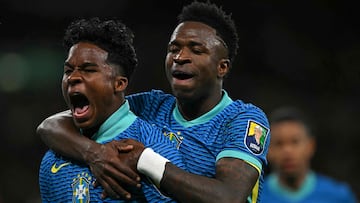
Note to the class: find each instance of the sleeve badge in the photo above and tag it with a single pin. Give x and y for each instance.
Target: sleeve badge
(255, 137)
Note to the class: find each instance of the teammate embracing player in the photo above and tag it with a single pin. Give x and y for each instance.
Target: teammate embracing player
(209, 128)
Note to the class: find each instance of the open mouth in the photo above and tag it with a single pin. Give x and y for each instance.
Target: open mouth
(80, 104)
(180, 75)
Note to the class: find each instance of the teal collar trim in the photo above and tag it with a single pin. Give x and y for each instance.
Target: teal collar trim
(225, 101)
(306, 188)
(115, 124)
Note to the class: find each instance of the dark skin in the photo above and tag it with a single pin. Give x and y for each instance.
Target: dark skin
(195, 50)
(232, 176)
(87, 73)
(104, 160)
(290, 152)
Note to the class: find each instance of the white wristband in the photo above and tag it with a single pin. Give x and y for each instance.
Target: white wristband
(152, 165)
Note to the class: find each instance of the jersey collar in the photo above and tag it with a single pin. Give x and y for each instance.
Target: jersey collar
(120, 120)
(225, 101)
(306, 187)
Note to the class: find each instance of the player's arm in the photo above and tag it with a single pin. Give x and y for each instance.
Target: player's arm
(60, 134)
(233, 181)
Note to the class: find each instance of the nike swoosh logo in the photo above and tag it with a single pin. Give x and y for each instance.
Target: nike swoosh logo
(55, 169)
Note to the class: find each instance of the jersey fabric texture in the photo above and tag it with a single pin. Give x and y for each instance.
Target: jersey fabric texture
(315, 189)
(221, 132)
(62, 180)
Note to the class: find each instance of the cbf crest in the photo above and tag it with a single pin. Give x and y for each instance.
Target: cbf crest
(175, 138)
(81, 188)
(255, 137)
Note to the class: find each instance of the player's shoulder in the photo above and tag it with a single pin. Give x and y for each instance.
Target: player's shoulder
(160, 99)
(48, 158)
(329, 181)
(246, 106)
(332, 184)
(240, 107)
(160, 94)
(153, 94)
(50, 154)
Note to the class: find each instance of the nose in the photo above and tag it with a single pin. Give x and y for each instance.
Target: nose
(287, 149)
(74, 78)
(182, 57)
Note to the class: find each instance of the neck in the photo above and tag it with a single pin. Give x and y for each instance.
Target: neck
(294, 181)
(89, 132)
(192, 109)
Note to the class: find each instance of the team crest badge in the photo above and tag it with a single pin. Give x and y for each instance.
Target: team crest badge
(81, 187)
(175, 138)
(255, 137)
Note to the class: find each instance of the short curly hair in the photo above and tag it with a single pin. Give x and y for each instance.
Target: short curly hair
(290, 113)
(213, 16)
(111, 35)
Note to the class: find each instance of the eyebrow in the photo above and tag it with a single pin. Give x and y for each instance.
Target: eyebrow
(191, 43)
(86, 64)
(195, 43)
(68, 64)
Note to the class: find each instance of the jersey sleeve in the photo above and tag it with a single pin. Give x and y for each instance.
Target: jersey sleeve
(241, 140)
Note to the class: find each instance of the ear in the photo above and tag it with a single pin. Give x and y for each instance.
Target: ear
(121, 84)
(312, 146)
(270, 155)
(223, 67)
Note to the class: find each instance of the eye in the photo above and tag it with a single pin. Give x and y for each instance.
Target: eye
(173, 49)
(277, 143)
(89, 70)
(67, 70)
(197, 50)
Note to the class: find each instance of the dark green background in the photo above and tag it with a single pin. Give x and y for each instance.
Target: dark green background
(302, 53)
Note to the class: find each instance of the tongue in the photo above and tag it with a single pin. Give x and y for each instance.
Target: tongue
(80, 111)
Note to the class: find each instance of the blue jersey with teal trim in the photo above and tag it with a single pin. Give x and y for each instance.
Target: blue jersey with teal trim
(222, 132)
(64, 181)
(315, 189)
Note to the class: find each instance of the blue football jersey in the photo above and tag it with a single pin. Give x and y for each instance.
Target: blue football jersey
(221, 132)
(62, 180)
(315, 189)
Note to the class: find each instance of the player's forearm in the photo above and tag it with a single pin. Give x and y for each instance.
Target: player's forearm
(231, 187)
(59, 133)
(187, 187)
(233, 181)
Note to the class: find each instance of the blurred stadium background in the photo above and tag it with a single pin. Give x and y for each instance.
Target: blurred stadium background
(301, 53)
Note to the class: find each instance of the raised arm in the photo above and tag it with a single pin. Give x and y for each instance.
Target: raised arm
(60, 134)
